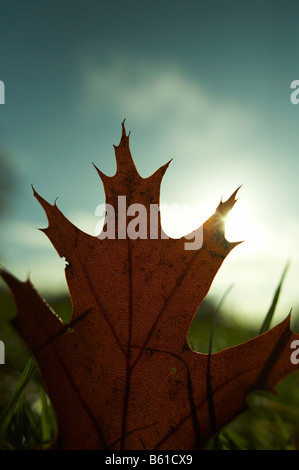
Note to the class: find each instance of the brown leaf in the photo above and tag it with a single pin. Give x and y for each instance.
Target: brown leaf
(121, 374)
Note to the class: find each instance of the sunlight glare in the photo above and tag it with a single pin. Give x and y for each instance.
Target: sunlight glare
(241, 225)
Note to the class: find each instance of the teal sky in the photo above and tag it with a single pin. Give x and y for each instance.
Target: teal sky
(206, 83)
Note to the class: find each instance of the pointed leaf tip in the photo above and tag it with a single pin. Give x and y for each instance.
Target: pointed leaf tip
(124, 135)
(164, 167)
(157, 176)
(124, 140)
(33, 189)
(41, 200)
(37, 196)
(234, 244)
(226, 206)
(232, 199)
(100, 173)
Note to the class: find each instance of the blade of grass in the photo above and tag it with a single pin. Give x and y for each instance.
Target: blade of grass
(285, 433)
(215, 438)
(267, 321)
(9, 410)
(215, 317)
(233, 440)
(45, 422)
(20, 419)
(32, 430)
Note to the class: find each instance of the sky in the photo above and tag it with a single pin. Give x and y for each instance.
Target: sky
(206, 83)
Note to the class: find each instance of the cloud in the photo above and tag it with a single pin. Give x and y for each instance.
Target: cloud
(24, 233)
(162, 93)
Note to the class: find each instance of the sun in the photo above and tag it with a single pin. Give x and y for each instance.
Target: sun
(241, 224)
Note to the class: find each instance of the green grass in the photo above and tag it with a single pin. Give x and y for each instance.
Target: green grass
(27, 419)
(271, 421)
